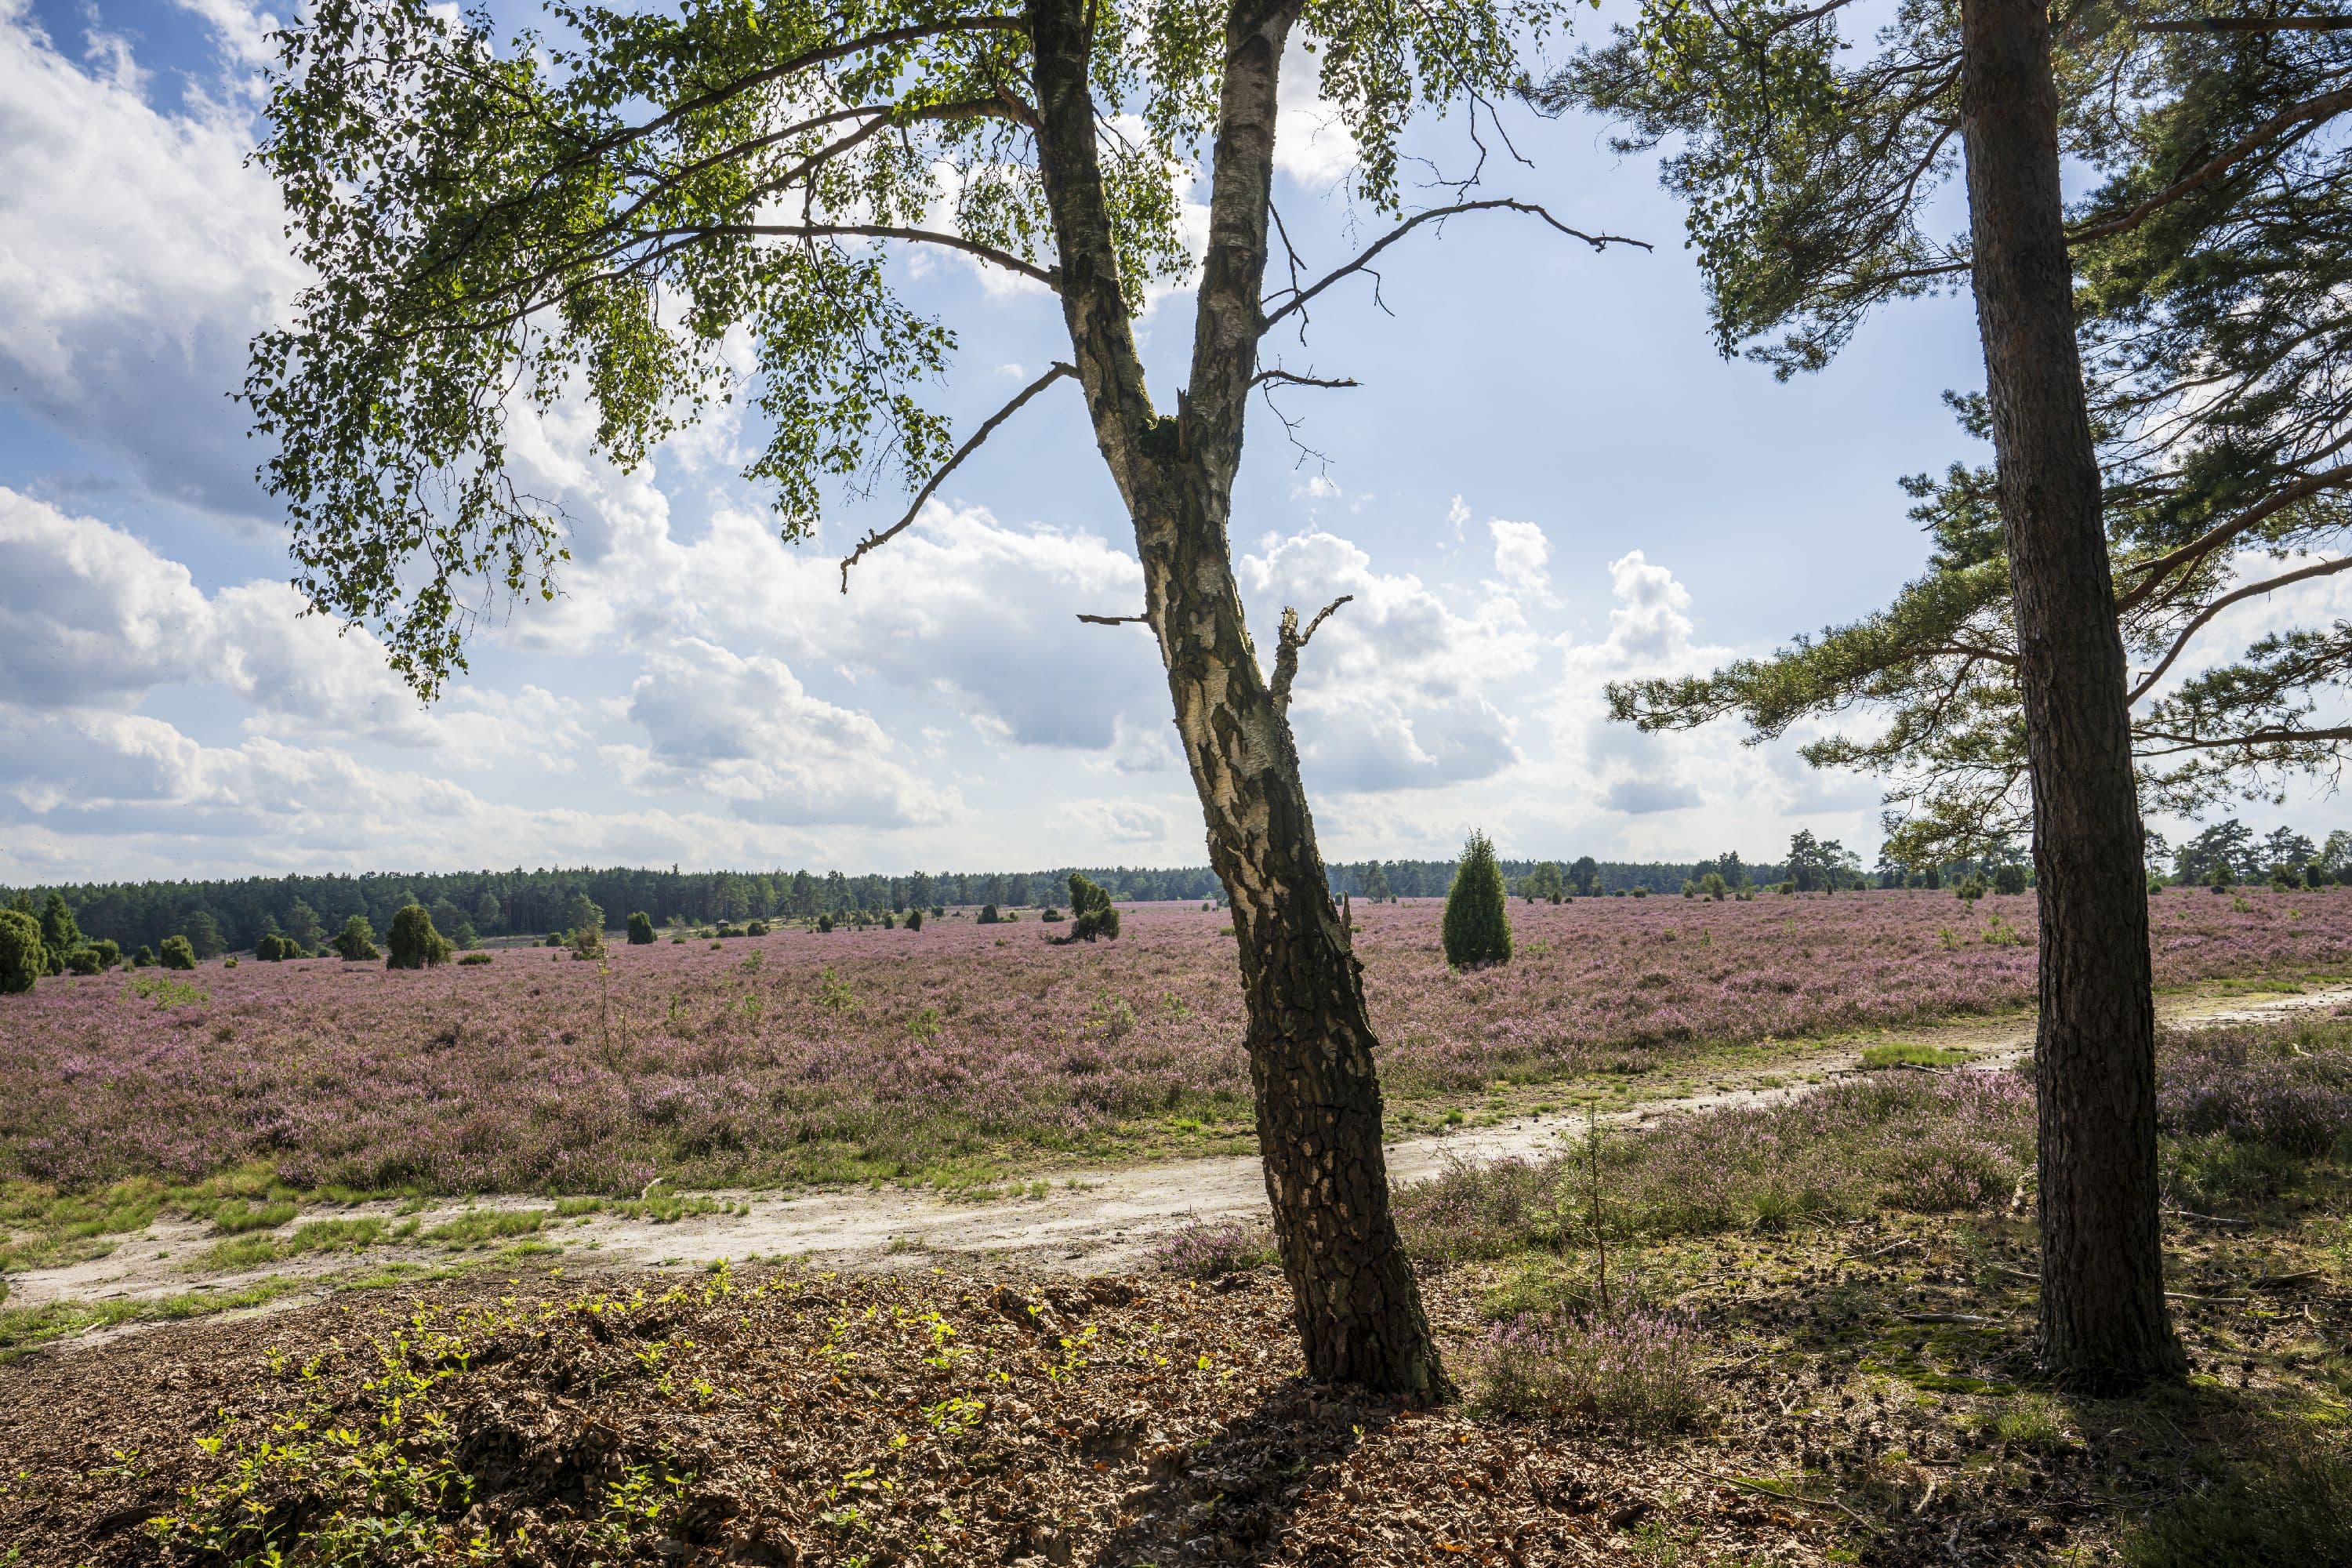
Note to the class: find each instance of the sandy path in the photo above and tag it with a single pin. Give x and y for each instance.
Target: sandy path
(1089, 1221)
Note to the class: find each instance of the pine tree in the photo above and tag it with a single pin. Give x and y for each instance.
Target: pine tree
(415, 943)
(59, 934)
(304, 927)
(1477, 927)
(24, 957)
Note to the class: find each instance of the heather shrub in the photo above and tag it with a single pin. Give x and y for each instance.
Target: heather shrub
(2282, 1511)
(414, 944)
(641, 929)
(1205, 1251)
(356, 942)
(1637, 1368)
(178, 952)
(1092, 914)
(24, 957)
(1476, 929)
(1887, 1141)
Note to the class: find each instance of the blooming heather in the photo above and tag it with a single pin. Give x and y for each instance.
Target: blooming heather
(959, 1042)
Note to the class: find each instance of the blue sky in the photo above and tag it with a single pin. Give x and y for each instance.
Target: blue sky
(1549, 479)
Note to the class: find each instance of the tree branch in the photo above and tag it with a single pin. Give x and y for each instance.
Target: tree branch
(1115, 620)
(2277, 735)
(1290, 640)
(1292, 378)
(2309, 111)
(1050, 278)
(988, 428)
(2316, 569)
(2212, 539)
(1298, 296)
(2250, 24)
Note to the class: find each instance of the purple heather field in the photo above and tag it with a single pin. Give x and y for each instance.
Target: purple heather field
(863, 1053)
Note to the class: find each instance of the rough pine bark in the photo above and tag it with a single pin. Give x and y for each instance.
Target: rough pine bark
(1359, 1310)
(2104, 1323)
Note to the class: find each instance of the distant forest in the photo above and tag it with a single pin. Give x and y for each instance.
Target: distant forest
(231, 916)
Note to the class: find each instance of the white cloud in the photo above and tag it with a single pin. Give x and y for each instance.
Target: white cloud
(1113, 822)
(138, 254)
(745, 732)
(1522, 554)
(1310, 143)
(1396, 689)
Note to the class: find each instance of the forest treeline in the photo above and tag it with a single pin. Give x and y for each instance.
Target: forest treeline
(233, 915)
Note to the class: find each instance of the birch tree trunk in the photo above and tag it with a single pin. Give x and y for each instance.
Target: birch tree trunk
(1359, 1310)
(2104, 1323)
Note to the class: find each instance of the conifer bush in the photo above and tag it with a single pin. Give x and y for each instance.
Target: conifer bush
(24, 956)
(178, 952)
(641, 929)
(1477, 926)
(1091, 911)
(144, 958)
(825, 922)
(108, 952)
(356, 941)
(59, 935)
(988, 915)
(414, 942)
(914, 920)
(2008, 879)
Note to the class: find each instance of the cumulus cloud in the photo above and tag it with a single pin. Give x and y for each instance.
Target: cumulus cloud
(744, 731)
(1310, 143)
(138, 254)
(1522, 553)
(1395, 692)
(1113, 822)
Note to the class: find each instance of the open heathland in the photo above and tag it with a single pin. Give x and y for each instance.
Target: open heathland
(965, 1048)
(1811, 1342)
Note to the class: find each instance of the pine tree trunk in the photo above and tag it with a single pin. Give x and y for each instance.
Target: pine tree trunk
(2104, 1323)
(1359, 1310)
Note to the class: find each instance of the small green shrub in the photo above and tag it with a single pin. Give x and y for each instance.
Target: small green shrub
(825, 922)
(24, 957)
(2008, 879)
(1092, 914)
(641, 929)
(988, 915)
(1476, 927)
(356, 941)
(914, 920)
(414, 944)
(474, 958)
(144, 958)
(178, 952)
(2292, 1511)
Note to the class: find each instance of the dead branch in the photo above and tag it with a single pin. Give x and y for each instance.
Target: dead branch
(1115, 620)
(1298, 296)
(1290, 640)
(1292, 378)
(987, 428)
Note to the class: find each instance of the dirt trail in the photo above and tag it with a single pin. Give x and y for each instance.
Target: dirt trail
(1089, 1221)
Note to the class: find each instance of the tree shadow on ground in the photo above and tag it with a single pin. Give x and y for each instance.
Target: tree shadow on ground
(1228, 1499)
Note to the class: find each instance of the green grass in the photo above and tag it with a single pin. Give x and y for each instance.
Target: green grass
(2284, 1510)
(256, 1251)
(479, 1227)
(23, 1329)
(1908, 1054)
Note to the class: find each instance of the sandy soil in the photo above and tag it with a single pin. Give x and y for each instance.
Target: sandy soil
(1091, 1222)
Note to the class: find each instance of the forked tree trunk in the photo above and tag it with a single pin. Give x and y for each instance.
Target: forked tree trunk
(1359, 1310)
(2104, 1323)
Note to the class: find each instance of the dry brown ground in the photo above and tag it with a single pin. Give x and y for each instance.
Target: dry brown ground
(1877, 1375)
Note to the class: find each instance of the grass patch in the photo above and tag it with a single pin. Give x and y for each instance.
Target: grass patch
(1909, 1054)
(479, 1227)
(2282, 1512)
(24, 1329)
(258, 1251)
